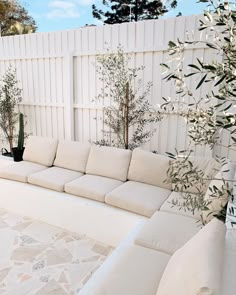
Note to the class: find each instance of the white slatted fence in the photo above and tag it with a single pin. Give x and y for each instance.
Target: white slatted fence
(59, 81)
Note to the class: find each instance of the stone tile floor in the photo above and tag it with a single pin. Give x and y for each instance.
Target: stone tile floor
(40, 259)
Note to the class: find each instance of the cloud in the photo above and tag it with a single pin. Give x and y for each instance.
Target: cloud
(62, 9)
(57, 13)
(84, 2)
(61, 4)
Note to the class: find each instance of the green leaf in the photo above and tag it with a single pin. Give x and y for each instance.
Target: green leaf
(230, 80)
(202, 28)
(210, 45)
(201, 81)
(189, 75)
(194, 66)
(171, 44)
(164, 65)
(227, 39)
(209, 67)
(219, 104)
(201, 64)
(219, 97)
(228, 126)
(220, 80)
(208, 16)
(171, 155)
(215, 188)
(228, 107)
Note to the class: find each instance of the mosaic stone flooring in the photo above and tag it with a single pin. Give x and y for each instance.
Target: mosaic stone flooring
(40, 259)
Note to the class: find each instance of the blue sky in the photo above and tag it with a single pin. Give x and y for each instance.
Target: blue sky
(54, 15)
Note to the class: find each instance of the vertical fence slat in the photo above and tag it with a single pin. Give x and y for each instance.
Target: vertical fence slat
(68, 113)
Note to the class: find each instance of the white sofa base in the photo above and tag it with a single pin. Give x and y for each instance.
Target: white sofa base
(99, 221)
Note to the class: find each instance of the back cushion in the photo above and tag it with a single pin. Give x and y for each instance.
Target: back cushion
(72, 155)
(149, 168)
(109, 162)
(196, 268)
(41, 150)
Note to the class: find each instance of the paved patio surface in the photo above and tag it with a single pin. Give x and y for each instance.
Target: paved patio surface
(40, 259)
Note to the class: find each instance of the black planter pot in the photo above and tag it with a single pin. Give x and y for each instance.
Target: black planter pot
(17, 154)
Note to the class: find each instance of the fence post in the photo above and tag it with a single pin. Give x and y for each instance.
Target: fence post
(69, 97)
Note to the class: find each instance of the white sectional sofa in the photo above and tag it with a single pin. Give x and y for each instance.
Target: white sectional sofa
(169, 252)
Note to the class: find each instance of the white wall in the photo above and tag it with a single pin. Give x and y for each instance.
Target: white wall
(57, 73)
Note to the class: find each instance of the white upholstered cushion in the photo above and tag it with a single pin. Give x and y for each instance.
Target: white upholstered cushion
(138, 197)
(167, 232)
(20, 171)
(135, 271)
(149, 168)
(109, 162)
(221, 179)
(72, 155)
(92, 187)
(41, 150)
(54, 178)
(169, 207)
(197, 265)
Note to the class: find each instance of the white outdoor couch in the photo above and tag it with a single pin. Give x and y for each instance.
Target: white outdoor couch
(169, 254)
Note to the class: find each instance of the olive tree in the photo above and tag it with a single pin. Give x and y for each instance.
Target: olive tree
(213, 112)
(10, 96)
(129, 115)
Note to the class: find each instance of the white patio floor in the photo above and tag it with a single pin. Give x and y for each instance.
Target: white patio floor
(39, 259)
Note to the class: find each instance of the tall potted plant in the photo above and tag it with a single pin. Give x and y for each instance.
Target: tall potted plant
(129, 114)
(10, 96)
(19, 150)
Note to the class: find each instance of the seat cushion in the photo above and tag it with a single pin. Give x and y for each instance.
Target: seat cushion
(92, 187)
(168, 206)
(20, 171)
(135, 271)
(72, 155)
(167, 232)
(217, 192)
(41, 150)
(138, 197)
(149, 168)
(109, 162)
(54, 178)
(198, 265)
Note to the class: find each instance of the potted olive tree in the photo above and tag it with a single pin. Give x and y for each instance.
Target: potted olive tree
(130, 113)
(10, 96)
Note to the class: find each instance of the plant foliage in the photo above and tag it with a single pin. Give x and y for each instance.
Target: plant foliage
(207, 113)
(14, 19)
(129, 107)
(10, 96)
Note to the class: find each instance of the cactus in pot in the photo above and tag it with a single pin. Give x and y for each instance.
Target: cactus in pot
(21, 134)
(19, 150)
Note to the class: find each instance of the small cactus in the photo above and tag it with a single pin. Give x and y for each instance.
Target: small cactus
(21, 134)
